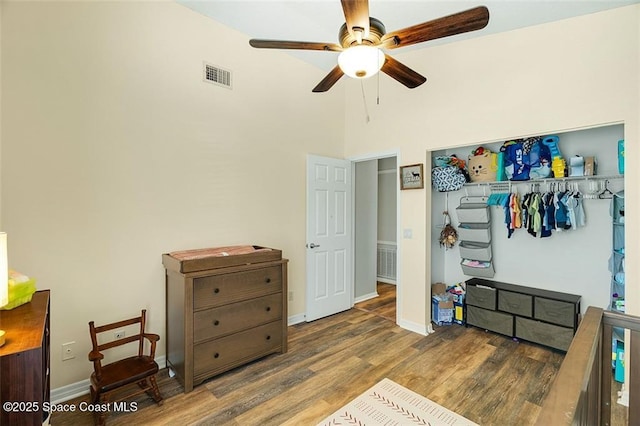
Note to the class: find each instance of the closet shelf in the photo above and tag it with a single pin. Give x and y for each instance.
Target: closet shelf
(562, 179)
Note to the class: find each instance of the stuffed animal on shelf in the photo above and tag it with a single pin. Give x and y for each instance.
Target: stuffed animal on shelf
(482, 165)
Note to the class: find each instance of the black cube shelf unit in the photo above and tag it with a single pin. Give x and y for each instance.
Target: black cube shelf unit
(546, 317)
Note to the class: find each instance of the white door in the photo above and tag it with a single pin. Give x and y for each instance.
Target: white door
(329, 286)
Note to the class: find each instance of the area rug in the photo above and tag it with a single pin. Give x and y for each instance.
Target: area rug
(389, 404)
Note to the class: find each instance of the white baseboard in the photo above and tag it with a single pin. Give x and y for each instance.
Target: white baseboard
(296, 319)
(386, 280)
(65, 393)
(366, 297)
(415, 327)
(623, 397)
(75, 390)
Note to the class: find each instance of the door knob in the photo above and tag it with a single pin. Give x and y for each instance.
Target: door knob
(312, 245)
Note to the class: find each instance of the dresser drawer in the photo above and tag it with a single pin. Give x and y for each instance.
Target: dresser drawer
(490, 320)
(555, 311)
(516, 303)
(217, 290)
(482, 297)
(214, 356)
(227, 319)
(543, 333)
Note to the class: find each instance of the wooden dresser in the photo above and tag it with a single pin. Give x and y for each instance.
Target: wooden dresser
(24, 362)
(224, 312)
(546, 317)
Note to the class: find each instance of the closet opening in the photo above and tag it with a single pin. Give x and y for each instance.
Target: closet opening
(580, 258)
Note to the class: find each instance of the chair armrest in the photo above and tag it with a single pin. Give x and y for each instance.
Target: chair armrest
(153, 338)
(95, 356)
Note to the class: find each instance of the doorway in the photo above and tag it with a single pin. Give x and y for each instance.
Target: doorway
(333, 286)
(376, 235)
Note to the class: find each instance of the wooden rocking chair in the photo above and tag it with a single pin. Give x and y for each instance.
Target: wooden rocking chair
(140, 369)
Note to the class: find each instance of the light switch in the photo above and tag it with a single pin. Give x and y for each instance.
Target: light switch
(407, 234)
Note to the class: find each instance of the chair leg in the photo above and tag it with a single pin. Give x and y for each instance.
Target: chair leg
(100, 417)
(156, 392)
(94, 395)
(152, 390)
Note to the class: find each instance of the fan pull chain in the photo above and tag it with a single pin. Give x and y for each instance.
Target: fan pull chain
(378, 83)
(364, 101)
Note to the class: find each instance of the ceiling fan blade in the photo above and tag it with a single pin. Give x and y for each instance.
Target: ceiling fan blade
(331, 79)
(458, 23)
(301, 45)
(356, 15)
(402, 73)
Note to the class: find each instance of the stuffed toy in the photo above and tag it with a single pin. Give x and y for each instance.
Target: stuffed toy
(482, 165)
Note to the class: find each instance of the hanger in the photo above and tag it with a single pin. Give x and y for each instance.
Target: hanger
(605, 193)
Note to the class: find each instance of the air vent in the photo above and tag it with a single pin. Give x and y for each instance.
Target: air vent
(216, 75)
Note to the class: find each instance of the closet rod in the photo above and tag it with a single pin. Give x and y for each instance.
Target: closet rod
(562, 179)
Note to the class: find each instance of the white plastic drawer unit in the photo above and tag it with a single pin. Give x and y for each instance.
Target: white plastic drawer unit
(473, 213)
(477, 232)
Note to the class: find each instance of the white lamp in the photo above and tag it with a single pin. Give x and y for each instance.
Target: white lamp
(361, 61)
(4, 277)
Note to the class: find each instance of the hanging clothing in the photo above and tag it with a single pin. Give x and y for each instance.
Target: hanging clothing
(573, 201)
(561, 212)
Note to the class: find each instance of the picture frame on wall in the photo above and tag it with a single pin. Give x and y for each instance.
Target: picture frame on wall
(411, 176)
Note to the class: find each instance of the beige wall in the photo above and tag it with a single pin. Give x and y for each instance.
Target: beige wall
(564, 75)
(114, 151)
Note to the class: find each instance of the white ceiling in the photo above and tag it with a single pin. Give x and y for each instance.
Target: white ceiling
(320, 20)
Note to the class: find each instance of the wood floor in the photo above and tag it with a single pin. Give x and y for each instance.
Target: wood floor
(384, 305)
(485, 377)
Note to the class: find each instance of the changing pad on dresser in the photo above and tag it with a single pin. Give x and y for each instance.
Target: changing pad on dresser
(218, 257)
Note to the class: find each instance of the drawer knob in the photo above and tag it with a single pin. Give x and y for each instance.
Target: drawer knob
(216, 322)
(217, 290)
(268, 280)
(268, 308)
(216, 355)
(268, 337)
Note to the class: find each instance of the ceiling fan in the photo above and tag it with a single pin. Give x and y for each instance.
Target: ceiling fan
(362, 39)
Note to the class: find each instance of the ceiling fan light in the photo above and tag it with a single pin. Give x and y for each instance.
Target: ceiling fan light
(361, 61)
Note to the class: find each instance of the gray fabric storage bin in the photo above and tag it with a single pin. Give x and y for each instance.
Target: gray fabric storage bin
(516, 303)
(473, 213)
(482, 297)
(543, 333)
(490, 320)
(555, 311)
(475, 251)
(487, 272)
(477, 232)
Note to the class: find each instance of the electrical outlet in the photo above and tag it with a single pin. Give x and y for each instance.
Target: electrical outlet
(290, 296)
(118, 334)
(68, 351)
